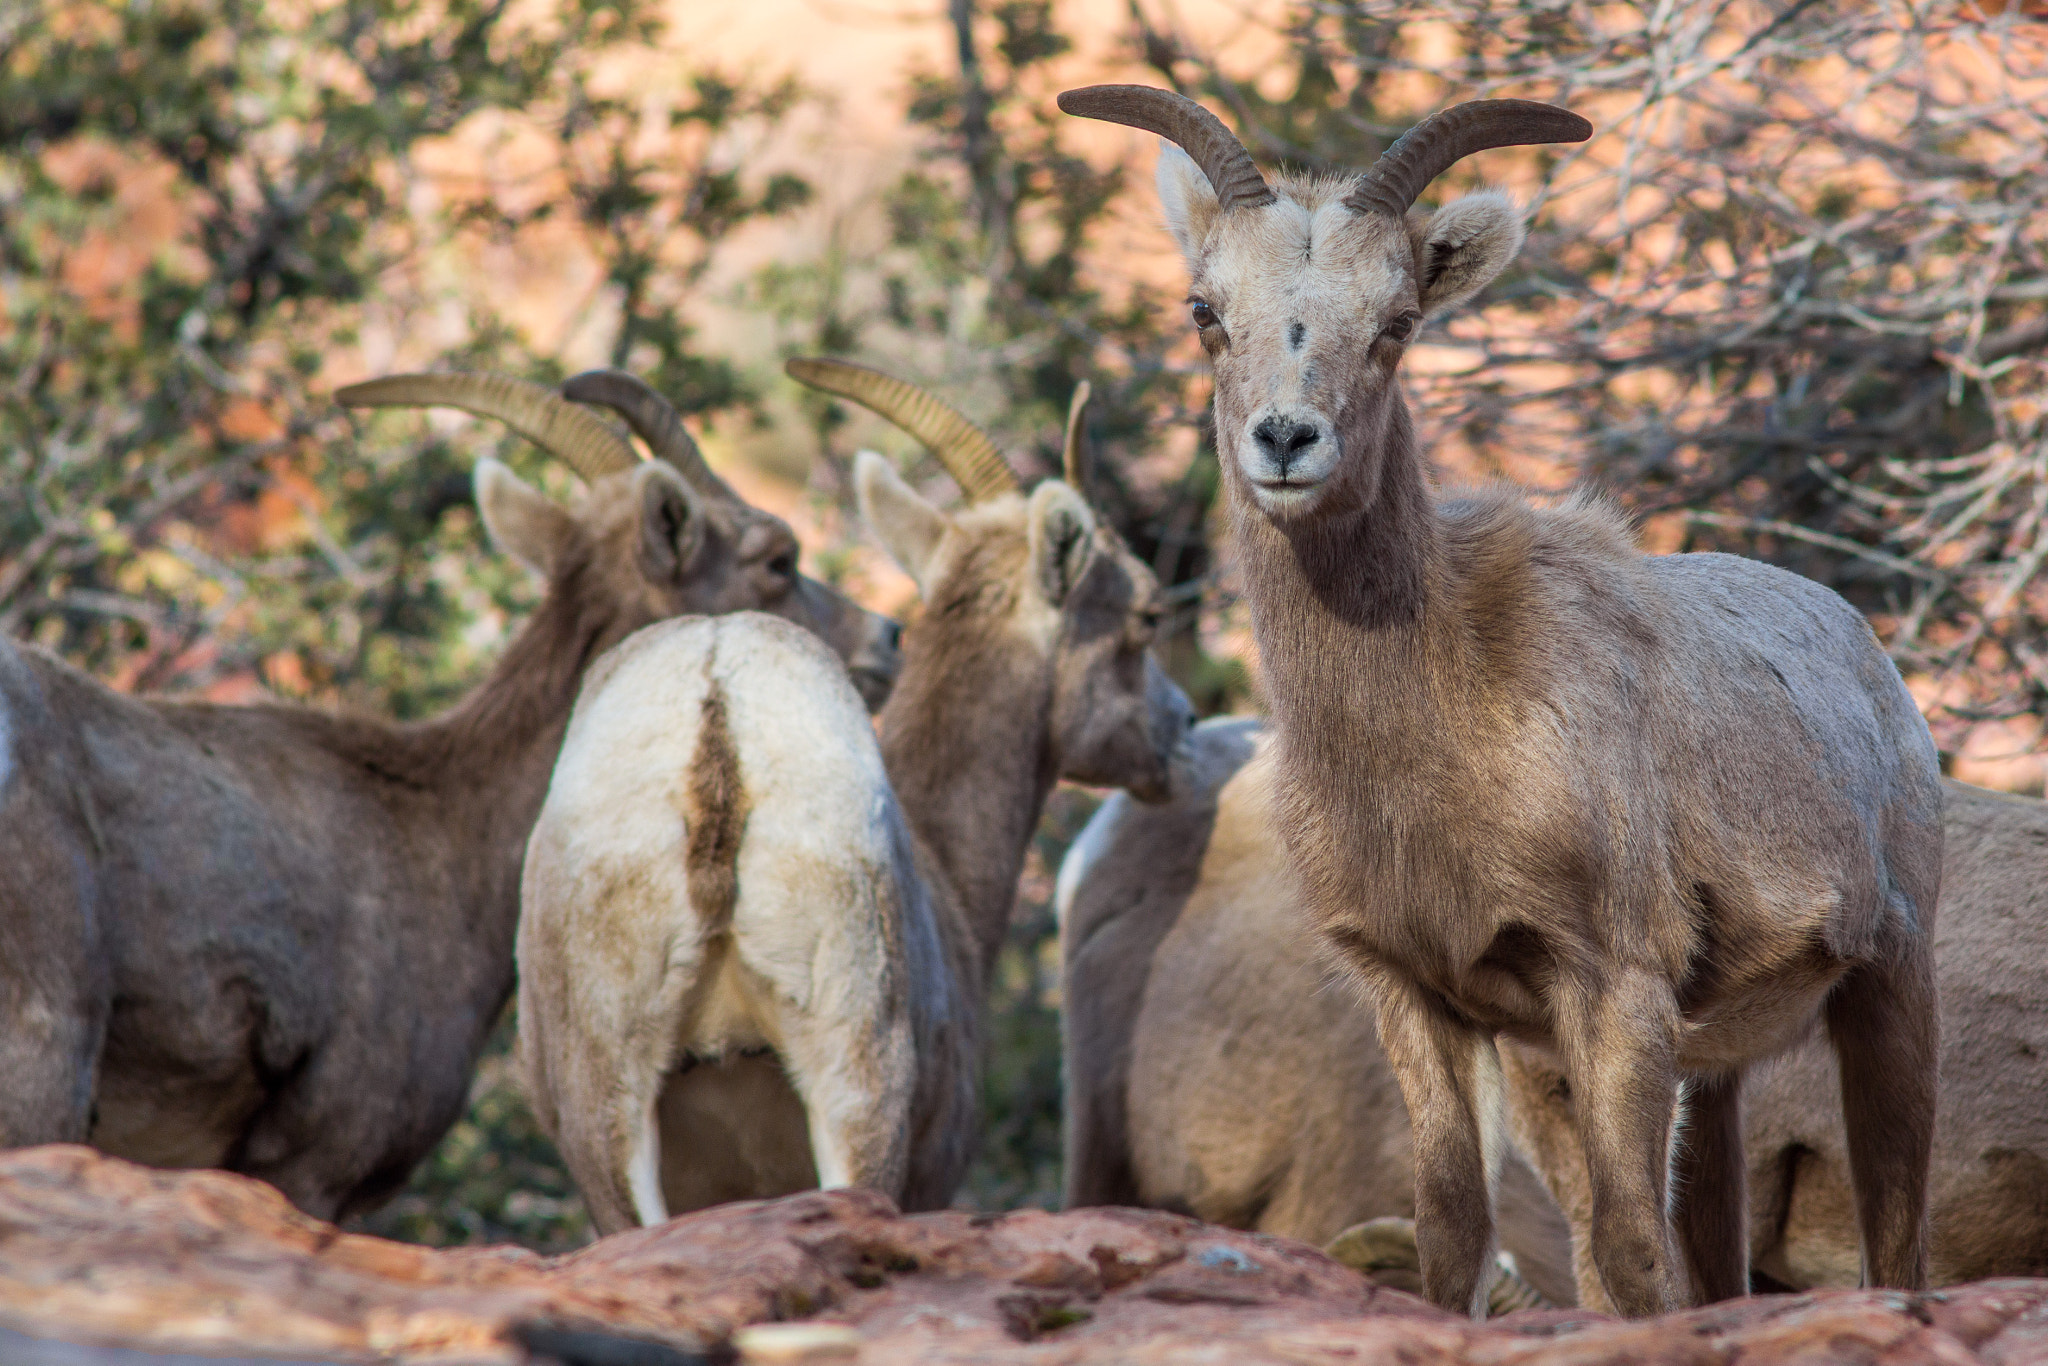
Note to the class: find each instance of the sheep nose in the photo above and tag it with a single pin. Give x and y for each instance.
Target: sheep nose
(1282, 439)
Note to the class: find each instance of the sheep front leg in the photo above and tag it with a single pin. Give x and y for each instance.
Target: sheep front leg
(1450, 1079)
(1618, 1037)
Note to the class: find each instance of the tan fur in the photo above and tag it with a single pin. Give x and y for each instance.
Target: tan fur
(273, 938)
(1653, 816)
(1029, 662)
(1254, 1094)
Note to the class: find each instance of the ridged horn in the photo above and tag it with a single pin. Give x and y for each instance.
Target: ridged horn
(1232, 172)
(653, 419)
(575, 436)
(1071, 454)
(963, 448)
(1443, 139)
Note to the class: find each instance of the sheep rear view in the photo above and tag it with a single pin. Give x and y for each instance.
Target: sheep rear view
(737, 879)
(718, 785)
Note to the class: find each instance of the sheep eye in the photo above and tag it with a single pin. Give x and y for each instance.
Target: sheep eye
(1401, 327)
(783, 566)
(1205, 316)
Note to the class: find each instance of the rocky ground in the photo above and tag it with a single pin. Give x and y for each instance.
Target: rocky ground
(107, 1264)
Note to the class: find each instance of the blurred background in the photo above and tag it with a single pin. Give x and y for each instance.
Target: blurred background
(1791, 301)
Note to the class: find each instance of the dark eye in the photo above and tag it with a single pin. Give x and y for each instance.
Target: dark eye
(783, 566)
(1205, 316)
(1401, 327)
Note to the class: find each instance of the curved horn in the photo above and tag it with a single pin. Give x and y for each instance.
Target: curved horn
(1178, 119)
(1071, 455)
(1434, 145)
(576, 436)
(963, 448)
(653, 419)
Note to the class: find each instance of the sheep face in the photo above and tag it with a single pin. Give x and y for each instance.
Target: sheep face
(1306, 306)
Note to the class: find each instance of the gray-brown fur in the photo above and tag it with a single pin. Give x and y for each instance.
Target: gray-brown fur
(1989, 1174)
(273, 938)
(1264, 1100)
(1652, 815)
(716, 813)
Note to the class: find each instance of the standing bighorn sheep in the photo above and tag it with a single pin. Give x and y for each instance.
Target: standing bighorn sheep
(1212, 1067)
(1654, 815)
(274, 939)
(756, 937)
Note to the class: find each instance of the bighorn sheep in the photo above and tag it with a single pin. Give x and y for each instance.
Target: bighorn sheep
(274, 939)
(756, 937)
(1210, 1068)
(1652, 814)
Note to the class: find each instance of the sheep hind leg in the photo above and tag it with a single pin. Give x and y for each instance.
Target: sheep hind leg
(1883, 1023)
(855, 1082)
(1710, 1189)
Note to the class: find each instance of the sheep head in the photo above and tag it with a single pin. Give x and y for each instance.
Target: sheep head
(1035, 578)
(1306, 291)
(654, 538)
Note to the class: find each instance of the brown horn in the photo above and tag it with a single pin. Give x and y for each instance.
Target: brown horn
(1437, 143)
(1178, 119)
(653, 419)
(963, 448)
(1071, 455)
(576, 436)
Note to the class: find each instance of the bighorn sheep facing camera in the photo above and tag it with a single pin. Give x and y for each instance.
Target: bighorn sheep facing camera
(274, 939)
(756, 938)
(1653, 815)
(1214, 1066)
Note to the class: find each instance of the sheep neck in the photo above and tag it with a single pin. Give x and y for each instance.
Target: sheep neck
(468, 784)
(1356, 609)
(971, 793)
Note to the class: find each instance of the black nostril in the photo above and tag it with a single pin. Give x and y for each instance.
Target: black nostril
(892, 634)
(1282, 439)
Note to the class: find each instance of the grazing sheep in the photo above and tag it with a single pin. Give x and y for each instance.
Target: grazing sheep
(1653, 815)
(272, 938)
(756, 936)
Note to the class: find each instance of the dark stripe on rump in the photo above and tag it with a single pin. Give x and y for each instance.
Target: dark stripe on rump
(717, 815)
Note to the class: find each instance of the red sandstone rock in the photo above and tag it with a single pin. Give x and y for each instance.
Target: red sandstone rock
(97, 1250)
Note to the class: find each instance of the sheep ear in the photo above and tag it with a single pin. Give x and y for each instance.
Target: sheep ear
(1189, 200)
(1062, 540)
(522, 521)
(1462, 246)
(671, 522)
(908, 527)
